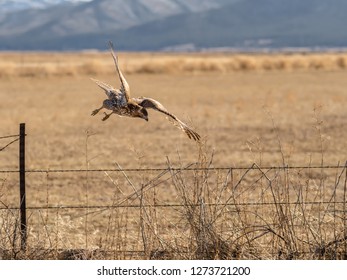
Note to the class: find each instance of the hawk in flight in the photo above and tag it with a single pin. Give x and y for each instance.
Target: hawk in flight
(121, 103)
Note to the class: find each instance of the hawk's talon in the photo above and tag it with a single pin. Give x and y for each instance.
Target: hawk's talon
(106, 116)
(95, 112)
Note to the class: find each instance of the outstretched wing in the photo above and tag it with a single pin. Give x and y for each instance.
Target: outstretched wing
(125, 89)
(109, 90)
(150, 103)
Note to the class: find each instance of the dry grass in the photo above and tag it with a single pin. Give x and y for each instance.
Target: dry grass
(73, 64)
(269, 110)
(189, 214)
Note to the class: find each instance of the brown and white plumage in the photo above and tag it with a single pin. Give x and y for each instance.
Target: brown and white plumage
(121, 103)
(149, 103)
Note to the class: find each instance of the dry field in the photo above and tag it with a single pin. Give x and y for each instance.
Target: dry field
(268, 110)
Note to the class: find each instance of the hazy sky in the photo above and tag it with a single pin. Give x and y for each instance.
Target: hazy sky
(12, 5)
(40, 1)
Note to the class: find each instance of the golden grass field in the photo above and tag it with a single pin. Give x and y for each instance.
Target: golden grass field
(272, 110)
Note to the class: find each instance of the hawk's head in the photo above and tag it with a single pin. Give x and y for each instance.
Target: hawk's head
(142, 113)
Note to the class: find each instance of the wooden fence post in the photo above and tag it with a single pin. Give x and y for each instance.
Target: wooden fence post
(23, 220)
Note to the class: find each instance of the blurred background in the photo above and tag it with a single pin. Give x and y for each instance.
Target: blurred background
(173, 25)
(240, 72)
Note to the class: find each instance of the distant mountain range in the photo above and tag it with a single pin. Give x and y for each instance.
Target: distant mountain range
(176, 25)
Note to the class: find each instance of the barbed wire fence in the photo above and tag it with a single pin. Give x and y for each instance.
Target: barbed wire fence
(238, 201)
(22, 199)
(11, 142)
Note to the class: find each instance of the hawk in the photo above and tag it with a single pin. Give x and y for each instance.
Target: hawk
(121, 103)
